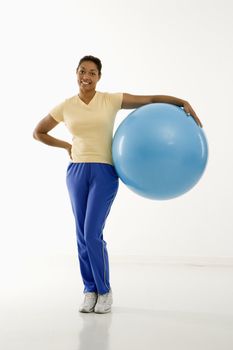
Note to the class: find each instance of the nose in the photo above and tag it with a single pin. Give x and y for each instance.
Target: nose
(86, 76)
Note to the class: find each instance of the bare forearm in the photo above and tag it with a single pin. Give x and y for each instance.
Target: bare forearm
(51, 141)
(135, 101)
(168, 99)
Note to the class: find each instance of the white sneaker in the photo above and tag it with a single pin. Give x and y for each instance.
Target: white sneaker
(104, 303)
(89, 302)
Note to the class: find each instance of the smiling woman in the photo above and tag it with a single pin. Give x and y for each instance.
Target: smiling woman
(91, 177)
(88, 74)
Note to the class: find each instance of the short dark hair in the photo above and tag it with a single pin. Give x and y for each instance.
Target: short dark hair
(92, 59)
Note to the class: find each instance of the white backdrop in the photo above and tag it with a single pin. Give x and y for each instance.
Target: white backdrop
(182, 48)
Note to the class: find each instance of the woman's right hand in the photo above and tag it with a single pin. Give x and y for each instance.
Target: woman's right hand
(68, 148)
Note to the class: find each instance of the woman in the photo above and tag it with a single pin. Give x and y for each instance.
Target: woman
(91, 178)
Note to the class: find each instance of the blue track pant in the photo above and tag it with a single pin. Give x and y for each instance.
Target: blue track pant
(92, 188)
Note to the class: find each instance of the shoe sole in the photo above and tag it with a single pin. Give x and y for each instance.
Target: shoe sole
(86, 312)
(102, 312)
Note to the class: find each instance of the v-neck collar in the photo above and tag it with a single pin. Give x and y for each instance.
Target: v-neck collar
(88, 104)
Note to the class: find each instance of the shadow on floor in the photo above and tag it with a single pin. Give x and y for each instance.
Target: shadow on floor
(129, 328)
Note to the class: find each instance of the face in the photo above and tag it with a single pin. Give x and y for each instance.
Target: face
(87, 76)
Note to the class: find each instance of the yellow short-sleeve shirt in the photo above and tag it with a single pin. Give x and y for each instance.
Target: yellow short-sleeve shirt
(90, 124)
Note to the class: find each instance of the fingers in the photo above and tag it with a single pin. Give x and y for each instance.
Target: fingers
(197, 120)
(190, 112)
(195, 117)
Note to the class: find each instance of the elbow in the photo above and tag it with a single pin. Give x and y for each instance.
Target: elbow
(36, 135)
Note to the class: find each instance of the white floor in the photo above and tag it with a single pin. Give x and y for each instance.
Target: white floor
(156, 306)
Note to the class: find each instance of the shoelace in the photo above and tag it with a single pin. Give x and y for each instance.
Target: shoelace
(90, 296)
(102, 299)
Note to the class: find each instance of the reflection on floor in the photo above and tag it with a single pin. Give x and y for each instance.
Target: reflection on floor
(155, 307)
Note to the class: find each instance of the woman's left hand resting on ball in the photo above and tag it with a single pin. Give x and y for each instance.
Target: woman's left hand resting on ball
(190, 112)
(135, 101)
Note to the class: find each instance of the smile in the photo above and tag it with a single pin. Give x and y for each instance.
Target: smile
(85, 82)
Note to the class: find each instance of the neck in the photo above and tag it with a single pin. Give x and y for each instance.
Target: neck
(86, 95)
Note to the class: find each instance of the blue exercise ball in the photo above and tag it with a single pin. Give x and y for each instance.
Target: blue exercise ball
(159, 152)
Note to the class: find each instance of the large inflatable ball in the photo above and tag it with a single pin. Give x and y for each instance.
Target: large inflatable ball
(159, 152)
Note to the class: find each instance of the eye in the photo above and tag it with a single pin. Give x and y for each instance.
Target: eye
(92, 73)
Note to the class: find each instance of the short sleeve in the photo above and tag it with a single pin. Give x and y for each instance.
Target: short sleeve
(116, 100)
(57, 112)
